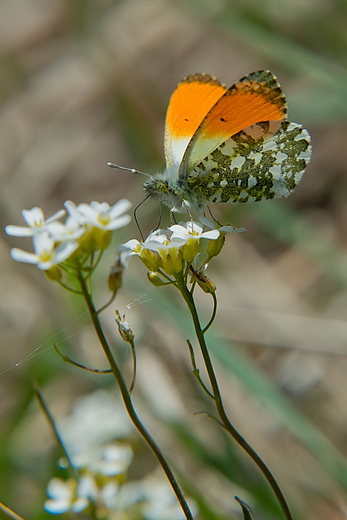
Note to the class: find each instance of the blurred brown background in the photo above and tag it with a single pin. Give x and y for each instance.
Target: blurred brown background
(85, 82)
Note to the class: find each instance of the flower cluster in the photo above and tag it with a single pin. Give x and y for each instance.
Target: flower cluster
(101, 474)
(187, 245)
(88, 228)
(98, 436)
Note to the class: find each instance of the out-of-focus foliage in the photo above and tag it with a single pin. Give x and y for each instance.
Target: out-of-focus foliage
(88, 81)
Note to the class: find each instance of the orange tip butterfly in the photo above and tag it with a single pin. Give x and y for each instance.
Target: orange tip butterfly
(228, 145)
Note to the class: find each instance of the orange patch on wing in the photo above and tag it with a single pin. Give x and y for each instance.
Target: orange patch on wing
(254, 99)
(189, 104)
(236, 112)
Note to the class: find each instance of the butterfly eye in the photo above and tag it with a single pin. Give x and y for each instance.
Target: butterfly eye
(162, 186)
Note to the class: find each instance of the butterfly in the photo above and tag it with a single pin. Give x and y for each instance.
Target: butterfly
(228, 145)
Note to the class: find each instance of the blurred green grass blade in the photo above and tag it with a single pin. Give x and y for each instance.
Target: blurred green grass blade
(251, 377)
(258, 385)
(322, 98)
(290, 228)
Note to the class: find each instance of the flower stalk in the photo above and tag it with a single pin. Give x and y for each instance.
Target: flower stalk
(217, 398)
(127, 397)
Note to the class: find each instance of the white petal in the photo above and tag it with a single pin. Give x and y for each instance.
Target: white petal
(79, 505)
(56, 216)
(119, 222)
(58, 489)
(24, 256)
(120, 207)
(212, 235)
(177, 229)
(87, 488)
(207, 222)
(33, 217)
(131, 244)
(57, 507)
(19, 231)
(43, 242)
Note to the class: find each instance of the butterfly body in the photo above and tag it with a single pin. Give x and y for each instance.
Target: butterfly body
(229, 145)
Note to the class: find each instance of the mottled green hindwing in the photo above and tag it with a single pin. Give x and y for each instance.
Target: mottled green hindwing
(264, 161)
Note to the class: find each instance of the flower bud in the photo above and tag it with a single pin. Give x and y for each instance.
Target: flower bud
(191, 249)
(155, 279)
(124, 329)
(215, 246)
(203, 282)
(150, 259)
(171, 261)
(54, 273)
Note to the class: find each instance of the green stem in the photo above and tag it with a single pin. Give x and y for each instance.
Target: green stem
(220, 407)
(8, 513)
(205, 329)
(127, 399)
(51, 421)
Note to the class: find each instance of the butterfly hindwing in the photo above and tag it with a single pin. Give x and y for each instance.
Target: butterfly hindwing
(189, 104)
(263, 161)
(255, 98)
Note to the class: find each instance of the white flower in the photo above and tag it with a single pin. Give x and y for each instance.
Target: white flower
(100, 214)
(36, 222)
(154, 239)
(161, 503)
(96, 419)
(71, 230)
(47, 254)
(152, 499)
(192, 230)
(67, 495)
(110, 461)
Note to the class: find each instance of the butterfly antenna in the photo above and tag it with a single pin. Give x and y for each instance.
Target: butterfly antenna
(132, 170)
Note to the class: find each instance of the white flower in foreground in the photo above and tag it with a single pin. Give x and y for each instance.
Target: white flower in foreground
(192, 230)
(47, 254)
(148, 249)
(36, 222)
(100, 214)
(67, 495)
(70, 230)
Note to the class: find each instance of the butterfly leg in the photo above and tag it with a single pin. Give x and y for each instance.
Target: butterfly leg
(172, 217)
(136, 219)
(212, 216)
(160, 218)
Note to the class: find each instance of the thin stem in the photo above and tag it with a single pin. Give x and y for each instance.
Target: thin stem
(51, 421)
(205, 329)
(128, 402)
(220, 407)
(108, 303)
(196, 371)
(67, 359)
(133, 379)
(8, 513)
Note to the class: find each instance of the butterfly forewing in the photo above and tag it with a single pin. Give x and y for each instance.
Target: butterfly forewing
(263, 161)
(189, 104)
(255, 98)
